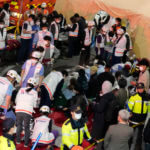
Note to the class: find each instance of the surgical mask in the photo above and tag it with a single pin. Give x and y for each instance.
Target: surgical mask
(44, 30)
(119, 31)
(1, 26)
(141, 68)
(38, 23)
(34, 61)
(78, 116)
(44, 21)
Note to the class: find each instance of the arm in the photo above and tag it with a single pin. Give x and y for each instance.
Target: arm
(8, 100)
(22, 74)
(35, 40)
(130, 104)
(25, 26)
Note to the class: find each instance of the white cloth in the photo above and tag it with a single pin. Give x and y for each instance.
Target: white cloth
(56, 30)
(3, 39)
(88, 37)
(6, 18)
(29, 28)
(41, 125)
(26, 101)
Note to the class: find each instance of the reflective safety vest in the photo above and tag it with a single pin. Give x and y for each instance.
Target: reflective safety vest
(4, 84)
(101, 44)
(26, 35)
(56, 30)
(6, 18)
(72, 137)
(88, 37)
(3, 39)
(75, 32)
(36, 72)
(120, 46)
(26, 101)
(6, 144)
(42, 125)
(135, 105)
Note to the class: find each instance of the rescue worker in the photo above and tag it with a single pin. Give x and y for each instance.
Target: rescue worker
(54, 29)
(7, 138)
(51, 85)
(29, 12)
(43, 124)
(32, 68)
(73, 38)
(85, 51)
(74, 130)
(44, 11)
(137, 105)
(6, 86)
(39, 37)
(3, 36)
(120, 46)
(100, 43)
(26, 37)
(26, 100)
(5, 14)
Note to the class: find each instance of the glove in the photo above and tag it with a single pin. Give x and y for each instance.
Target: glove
(5, 111)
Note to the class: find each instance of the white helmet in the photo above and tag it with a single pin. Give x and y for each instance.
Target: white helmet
(43, 5)
(32, 81)
(12, 74)
(45, 109)
(36, 54)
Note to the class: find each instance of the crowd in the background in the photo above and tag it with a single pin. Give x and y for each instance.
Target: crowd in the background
(111, 89)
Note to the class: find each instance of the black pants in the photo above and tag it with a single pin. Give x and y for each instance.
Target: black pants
(73, 46)
(85, 56)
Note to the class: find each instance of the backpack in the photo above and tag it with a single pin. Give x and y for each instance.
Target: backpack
(112, 110)
(146, 133)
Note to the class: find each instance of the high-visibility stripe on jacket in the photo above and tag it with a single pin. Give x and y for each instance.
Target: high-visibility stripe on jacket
(26, 101)
(135, 105)
(56, 30)
(71, 137)
(3, 39)
(6, 18)
(26, 35)
(6, 144)
(75, 32)
(88, 37)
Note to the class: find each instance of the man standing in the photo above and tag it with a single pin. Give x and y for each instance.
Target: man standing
(118, 136)
(74, 130)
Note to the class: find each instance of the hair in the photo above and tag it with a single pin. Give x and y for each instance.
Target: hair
(39, 49)
(122, 83)
(44, 113)
(124, 115)
(118, 74)
(124, 28)
(119, 20)
(44, 25)
(144, 62)
(32, 16)
(64, 73)
(31, 7)
(31, 86)
(47, 38)
(73, 81)
(6, 6)
(76, 15)
(81, 72)
(73, 19)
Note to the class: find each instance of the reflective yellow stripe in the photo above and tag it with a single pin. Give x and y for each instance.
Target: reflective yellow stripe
(13, 3)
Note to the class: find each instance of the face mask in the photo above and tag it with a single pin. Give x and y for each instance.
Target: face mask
(1, 26)
(44, 30)
(78, 116)
(141, 68)
(38, 23)
(34, 61)
(119, 31)
(44, 21)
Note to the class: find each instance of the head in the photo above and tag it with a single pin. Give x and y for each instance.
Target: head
(31, 18)
(47, 39)
(106, 87)
(91, 24)
(45, 110)
(57, 18)
(44, 27)
(76, 112)
(140, 88)
(9, 126)
(118, 75)
(73, 20)
(37, 22)
(36, 55)
(11, 75)
(118, 21)
(123, 116)
(2, 24)
(81, 72)
(77, 17)
(43, 5)
(122, 83)
(103, 30)
(44, 20)
(6, 6)
(39, 49)
(31, 7)
(143, 65)
(120, 31)
(107, 68)
(64, 73)
(93, 70)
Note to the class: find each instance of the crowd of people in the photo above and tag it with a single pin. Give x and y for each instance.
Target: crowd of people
(112, 89)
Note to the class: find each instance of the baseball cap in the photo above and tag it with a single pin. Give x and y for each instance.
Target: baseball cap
(8, 124)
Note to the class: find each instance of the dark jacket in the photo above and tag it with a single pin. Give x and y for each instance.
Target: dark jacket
(100, 125)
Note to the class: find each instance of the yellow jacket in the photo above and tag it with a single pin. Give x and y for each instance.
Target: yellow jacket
(73, 136)
(6, 144)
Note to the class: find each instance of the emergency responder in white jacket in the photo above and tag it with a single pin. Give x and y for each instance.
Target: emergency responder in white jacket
(32, 68)
(26, 100)
(6, 86)
(43, 124)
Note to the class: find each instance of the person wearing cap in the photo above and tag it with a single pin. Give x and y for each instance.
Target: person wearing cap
(26, 36)
(100, 43)
(54, 29)
(44, 11)
(32, 68)
(120, 46)
(86, 43)
(118, 136)
(39, 36)
(43, 124)
(137, 105)
(6, 86)
(26, 100)
(7, 138)
(74, 130)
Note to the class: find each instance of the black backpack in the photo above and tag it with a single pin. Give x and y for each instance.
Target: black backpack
(112, 110)
(146, 133)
